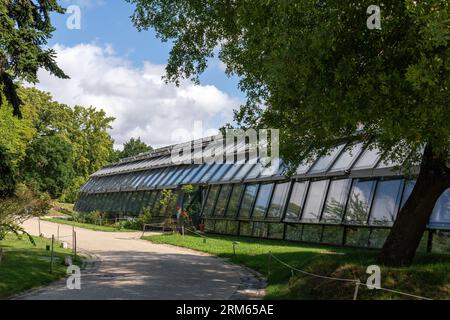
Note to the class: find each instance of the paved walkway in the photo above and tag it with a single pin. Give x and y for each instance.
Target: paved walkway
(126, 267)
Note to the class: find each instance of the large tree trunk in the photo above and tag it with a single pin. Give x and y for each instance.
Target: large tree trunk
(406, 234)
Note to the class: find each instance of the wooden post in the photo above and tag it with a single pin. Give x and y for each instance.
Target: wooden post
(57, 235)
(51, 255)
(268, 264)
(75, 245)
(39, 225)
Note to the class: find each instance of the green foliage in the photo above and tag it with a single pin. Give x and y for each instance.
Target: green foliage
(25, 28)
(23, 205)
(145, 217)
(321, 72)
(49, 164)
(133, 147)
(55, 147)
(7, 179)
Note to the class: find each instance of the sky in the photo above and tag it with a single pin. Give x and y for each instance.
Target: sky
(114, 67)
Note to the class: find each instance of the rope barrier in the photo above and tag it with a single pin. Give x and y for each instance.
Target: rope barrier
(357, 282)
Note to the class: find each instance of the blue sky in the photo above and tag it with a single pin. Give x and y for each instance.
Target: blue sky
(108, 41)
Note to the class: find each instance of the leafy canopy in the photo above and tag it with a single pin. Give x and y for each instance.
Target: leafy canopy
(320, 74)
(25, 28)
(134, 147)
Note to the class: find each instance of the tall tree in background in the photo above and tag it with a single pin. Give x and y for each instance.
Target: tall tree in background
(25, 28)
(134, 147)
(324, 77)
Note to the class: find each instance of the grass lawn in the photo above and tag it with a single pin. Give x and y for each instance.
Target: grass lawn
(429, 276)
(88, 225)
(25, 266)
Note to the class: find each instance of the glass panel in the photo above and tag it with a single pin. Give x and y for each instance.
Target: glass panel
(386, 202)
(278, 200)
(276, 231)
(191, 175)
(182, 176)
(260, 229)
(378, 237)
(409, 186)
(368, 159)
(245, 229)
(162, 176)
(358, 237)
(324, 163)
(209, 225)
(347, 158)
(201, 172)
(359, 202)
(233, 206)
(441, 242)
(247, 201)
(221, 172)
(222, 201)
(313, 204)
(231, 172)
(255, 172)
(294, 232)
(312, 233)
(221, 226)
(441, 211)
(295, 202)
(179, 171)
(262, 201)
(210, 202)
(210, 173)
(304, 168)
(243, 171)
(333, 235)
(335, 204)
(233, 227)
(167, 176)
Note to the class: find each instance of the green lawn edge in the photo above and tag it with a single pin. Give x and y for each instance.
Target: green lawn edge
(25, 267)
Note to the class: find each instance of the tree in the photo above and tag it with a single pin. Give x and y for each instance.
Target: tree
(7, 177)
(49, 164)
(134, 147)
(25, 28)
(315, 71)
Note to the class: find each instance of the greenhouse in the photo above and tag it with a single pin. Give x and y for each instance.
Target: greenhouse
(348, 197)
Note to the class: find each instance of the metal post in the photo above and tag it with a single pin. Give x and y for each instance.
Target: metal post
(57, 235)
(268, 264)
(39, 225)
(355, 295)
(51, 255)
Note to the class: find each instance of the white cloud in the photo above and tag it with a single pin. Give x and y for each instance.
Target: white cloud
(138, 98)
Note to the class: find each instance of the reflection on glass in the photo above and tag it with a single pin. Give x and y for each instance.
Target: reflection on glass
(325, 162)
(335, 203)
(221, 172)
(210, 201)
(233, 206)
(386, 202)
(243, 171)
(247, 201)
(295, 202)
(359, 202)
(222, 200)
(441, 211)
(368, 159)
(278, 200)
(347, 157)
(409, 186)
(314, 201)
(262, 201)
